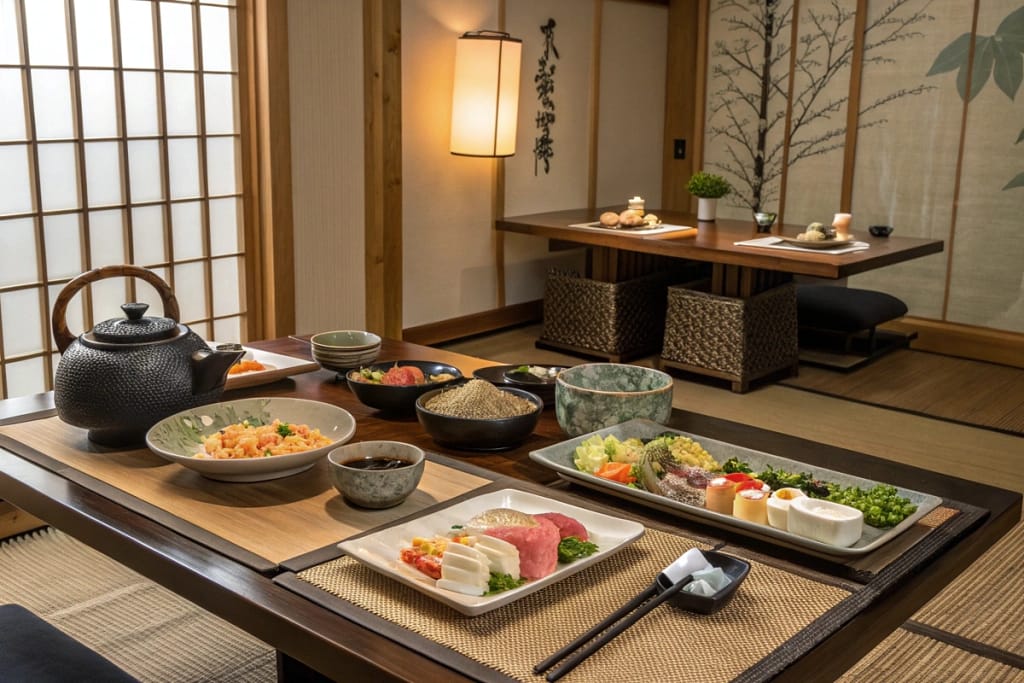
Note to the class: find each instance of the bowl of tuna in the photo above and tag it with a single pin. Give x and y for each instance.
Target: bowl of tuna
(393, 387)
(478, 416)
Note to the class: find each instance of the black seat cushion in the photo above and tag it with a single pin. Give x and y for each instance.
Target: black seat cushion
(845, 309)
(32, 650)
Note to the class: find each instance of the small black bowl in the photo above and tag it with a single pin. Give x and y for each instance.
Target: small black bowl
(735, 568)
(469, 434)
(398, 399)
(880, 230)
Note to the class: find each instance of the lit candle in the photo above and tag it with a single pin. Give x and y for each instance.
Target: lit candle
(842, 224)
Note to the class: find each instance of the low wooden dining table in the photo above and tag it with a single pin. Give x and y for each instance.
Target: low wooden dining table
(256, 554)
(737, 270)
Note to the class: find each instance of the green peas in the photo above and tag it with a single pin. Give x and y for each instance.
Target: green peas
(882, 505)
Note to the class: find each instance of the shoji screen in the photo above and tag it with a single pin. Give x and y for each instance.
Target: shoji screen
(119, 143)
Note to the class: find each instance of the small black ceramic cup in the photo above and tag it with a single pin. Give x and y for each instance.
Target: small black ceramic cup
(880, 230)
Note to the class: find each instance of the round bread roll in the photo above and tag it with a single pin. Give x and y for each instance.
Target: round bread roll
(610, 218)
(630, 218)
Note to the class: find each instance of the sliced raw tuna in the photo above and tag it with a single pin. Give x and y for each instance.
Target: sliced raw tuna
(537, 545)
(567, 526)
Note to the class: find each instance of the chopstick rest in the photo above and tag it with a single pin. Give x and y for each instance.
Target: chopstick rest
(669, 582)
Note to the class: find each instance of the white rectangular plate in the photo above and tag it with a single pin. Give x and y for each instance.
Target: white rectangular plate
(559, 457)
(658, 229)
(379, 550)
(278, 367)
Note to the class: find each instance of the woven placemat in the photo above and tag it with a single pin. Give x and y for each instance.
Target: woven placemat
(668, 644)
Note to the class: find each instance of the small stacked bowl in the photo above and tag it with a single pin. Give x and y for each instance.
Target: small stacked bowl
(341, 350)
(593, 396)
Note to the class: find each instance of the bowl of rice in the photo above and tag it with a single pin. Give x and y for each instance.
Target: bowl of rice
(251, 439)
(478, 416)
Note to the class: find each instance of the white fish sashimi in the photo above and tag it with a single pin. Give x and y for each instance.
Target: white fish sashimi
(502, 556)
(465, 565)
(469, 575)
(459, 587)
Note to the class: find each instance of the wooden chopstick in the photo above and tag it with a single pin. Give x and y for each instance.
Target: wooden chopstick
(601, 634)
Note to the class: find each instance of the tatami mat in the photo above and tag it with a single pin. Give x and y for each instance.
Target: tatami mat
(906, 656)
(143, 628)
(985, 604)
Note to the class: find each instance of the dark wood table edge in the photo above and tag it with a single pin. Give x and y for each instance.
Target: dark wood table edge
(554, 226)
(237, 594)
(157, 514)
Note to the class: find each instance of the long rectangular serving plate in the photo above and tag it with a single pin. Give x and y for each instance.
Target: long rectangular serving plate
(559, 457)
(379, 549)
(278, 366)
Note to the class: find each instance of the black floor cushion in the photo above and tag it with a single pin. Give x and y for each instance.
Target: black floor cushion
(33, 651)
(845, 309)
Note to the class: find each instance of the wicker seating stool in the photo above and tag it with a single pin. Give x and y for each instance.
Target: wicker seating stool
(613, 320)
(739, 339)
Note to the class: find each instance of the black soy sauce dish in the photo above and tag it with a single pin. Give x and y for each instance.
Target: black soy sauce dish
(735, 568)
(880, 230)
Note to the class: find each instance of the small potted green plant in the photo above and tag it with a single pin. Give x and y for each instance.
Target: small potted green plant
(708, 188)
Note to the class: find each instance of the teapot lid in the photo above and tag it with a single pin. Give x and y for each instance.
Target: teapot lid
(135, 328)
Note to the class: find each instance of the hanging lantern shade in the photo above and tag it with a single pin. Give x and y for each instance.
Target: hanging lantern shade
(485, 99)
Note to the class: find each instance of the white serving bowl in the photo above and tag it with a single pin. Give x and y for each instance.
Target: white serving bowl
(179, 437)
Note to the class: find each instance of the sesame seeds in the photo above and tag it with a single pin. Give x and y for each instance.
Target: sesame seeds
(478, 399)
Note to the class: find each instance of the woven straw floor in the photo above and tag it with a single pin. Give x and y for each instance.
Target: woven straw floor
(143, 628)
(969, 633)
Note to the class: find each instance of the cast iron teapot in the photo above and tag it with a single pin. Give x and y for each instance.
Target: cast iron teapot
(127, 374)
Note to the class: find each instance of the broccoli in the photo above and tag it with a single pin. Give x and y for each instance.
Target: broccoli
(571, 548)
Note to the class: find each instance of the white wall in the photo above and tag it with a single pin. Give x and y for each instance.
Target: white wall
(631, 129)
(448, 233)
(325, 53)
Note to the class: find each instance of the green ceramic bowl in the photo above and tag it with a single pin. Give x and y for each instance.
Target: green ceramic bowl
(597, 395)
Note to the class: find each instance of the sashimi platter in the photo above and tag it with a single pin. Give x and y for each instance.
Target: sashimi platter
(487, 551)
(756, 493)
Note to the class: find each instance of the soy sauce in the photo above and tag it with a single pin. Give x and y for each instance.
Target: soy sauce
(378, 463)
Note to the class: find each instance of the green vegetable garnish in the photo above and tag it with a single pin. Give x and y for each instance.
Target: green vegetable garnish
(284, 430)
(521, 368)
(499, 583)
(572, 548)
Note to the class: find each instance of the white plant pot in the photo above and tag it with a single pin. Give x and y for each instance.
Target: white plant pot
(706, 208)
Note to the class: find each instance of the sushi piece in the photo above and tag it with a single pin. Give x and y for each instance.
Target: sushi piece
(720, 494)
(778, 506)
(825, 521)
(751, 505)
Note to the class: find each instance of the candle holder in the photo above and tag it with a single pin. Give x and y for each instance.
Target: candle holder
(841, 223)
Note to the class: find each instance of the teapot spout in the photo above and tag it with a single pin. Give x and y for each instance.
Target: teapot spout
(210, 368)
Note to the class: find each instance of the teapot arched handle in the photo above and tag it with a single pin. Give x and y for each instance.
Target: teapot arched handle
(62, 335)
